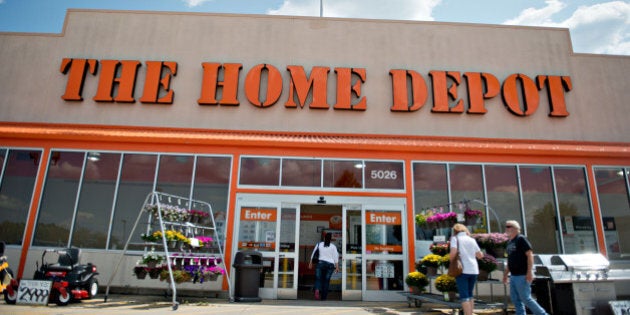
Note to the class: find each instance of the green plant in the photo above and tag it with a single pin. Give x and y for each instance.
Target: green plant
(445, 283)
(179, 276)
(416, 279)
(152, 257)
(421, 219)
(440, 248)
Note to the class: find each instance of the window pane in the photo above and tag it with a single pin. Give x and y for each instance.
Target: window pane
(58, 200)
(540, 210)
(575, 210)
(95, 200)
(378, 277)
(212, 183)
(257, 229)
(613, 196)
(136, 182)
(16, 192)
(302, 173)
(430, 189)
(175, 175)
(260, 171)
(466, 184)
(503, 197)
(386, 175)
(343, 174)
(383, 232)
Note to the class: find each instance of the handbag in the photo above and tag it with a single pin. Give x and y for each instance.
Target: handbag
(455, 267)
(315, 258)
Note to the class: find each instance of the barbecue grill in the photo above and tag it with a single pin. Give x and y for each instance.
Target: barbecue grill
(575, 283)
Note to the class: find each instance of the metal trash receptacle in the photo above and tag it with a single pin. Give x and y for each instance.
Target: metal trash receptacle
(248, 266)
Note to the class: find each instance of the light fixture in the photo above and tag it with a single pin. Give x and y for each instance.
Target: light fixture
(359, 165)
(93, 156)
(321, 200)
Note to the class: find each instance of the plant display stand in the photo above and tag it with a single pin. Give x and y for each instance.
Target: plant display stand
(179, 226)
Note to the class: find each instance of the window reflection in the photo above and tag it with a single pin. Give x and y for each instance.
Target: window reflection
(260, 171)
(540, 210)
(212, 183)
(136, 182)
(95, 200)
(614, 202)
(430, 189)
(302, 173)
(503, 196)
(347, 174)
(578, 231)
(19, 170)
(175, 174)
(58, 199)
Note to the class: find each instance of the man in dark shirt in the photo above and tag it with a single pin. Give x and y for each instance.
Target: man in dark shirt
(520, 267)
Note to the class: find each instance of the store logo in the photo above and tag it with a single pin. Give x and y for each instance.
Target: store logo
(263, 87)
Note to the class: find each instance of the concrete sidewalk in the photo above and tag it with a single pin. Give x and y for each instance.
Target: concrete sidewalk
(158, 305)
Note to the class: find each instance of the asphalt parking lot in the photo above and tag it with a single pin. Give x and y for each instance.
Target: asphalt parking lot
(158, 305)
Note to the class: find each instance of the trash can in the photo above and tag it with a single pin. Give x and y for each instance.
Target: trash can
(248, 266)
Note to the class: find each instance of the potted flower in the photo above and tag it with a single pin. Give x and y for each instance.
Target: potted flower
(421, 220)
(447, 285)
(431, 262)
(471, 216)
(493, 243)
(441, 248)
(179, 276)
(172, 237)
(174, 213)
(443, 220)
(487, 264)
(417, 281)
(197, 216)
(140, 272)
(211, 273)
(151, 259)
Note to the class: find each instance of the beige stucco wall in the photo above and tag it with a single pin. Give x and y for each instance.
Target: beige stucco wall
(31, 84)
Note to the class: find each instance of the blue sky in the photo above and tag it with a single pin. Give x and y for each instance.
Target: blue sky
(600, 27)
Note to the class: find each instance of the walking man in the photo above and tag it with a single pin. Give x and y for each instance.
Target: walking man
(520, 267)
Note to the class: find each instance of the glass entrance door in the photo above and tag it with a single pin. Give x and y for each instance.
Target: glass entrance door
(352, 254)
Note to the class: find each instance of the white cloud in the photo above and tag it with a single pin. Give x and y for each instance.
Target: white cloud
(538, 17)
(192, 3)
(602, 28)
(370, 9)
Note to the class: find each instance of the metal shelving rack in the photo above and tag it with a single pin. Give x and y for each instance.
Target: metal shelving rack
(159, 200)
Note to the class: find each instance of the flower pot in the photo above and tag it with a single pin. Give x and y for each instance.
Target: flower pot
(211, 277)
(496, 251)
(141, 273)
(431, 271)
(152, 264)
(154, 273)
(483, 275)
(471, 221)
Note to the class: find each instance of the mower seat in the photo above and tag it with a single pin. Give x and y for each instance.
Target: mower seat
(66, 261)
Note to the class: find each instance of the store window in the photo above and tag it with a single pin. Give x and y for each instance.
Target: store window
(18, 170)
(59, 198)
(212, 184)
(430, 190)
(614, 202)
(540, 210)
(466, 186)
(578, 230)
(96, 200)
(384, 175)
(343, 173)
(175, 174)
(301, 172)
(137, 176)
(503, 195)
(259, 171)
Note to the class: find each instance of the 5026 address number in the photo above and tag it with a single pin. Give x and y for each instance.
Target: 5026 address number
(383, 174)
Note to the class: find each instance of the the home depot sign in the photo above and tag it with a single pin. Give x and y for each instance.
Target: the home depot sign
(263, 86)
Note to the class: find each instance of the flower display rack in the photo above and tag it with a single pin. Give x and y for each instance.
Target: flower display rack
(184, 231)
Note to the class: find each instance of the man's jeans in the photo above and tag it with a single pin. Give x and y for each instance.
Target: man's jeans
(521, 294)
